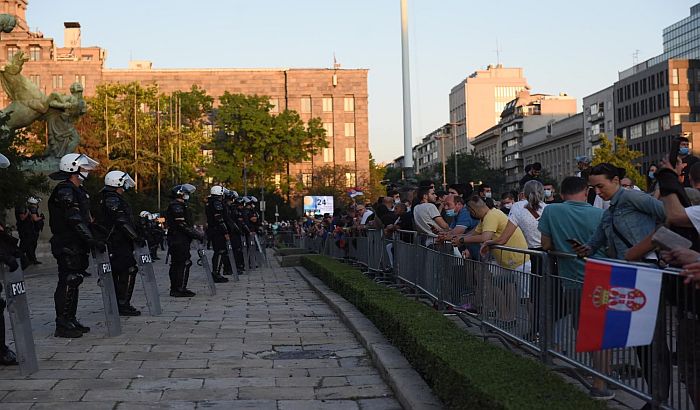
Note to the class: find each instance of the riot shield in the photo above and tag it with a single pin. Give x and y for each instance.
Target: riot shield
(148, 279)
(109, 297)
(207, 269)
(18, 310)
(262, 249)
(234, 270)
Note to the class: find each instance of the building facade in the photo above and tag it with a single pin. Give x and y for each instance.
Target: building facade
(488, 146)
(477, 101)
(657, 104)
(598, 120)
(432, 150)
(520, 117)
(556, 146)
(337, 96)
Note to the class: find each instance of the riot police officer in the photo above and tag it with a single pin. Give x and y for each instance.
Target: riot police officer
(218, 232)
(69, 220)
(180, 234)
(117, 218)
(29, 224)
(8, 256)
(236, 229)
(156, 235)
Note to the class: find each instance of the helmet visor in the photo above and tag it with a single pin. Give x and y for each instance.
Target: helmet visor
(86, 163)
(127, 181)
(188, 188)
(4, 162)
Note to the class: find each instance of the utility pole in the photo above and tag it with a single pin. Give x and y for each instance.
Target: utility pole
(158, 146)
(406, 82)
(106, 125)
(136, 155)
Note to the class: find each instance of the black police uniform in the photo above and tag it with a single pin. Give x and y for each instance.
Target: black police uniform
(117, 218)
(155, 236)
(180, 234)
(8, 256)
(216, 221)
(69, 213)
(237, 228)
(28, 230)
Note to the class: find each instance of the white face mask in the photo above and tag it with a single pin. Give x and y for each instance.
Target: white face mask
(186, 197)
(507, 206)
(547, 193)
(82, 175)
(487, 194)
(397, 200)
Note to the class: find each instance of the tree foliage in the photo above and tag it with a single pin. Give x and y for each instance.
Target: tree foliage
(621, 156)
(471, 169)
(377, 173)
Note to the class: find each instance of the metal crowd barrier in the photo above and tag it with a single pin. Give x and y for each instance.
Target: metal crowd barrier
(531, 300)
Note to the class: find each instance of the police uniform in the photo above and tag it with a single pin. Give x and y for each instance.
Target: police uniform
(8, 254)
(238, 229)
(218, 230)
(118, 220)
(180, 234)
(69, 220)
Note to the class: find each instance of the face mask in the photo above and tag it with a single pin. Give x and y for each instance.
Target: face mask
(547, 193)
(450, 212)
(487, 194)
(684, 151)
(82, 175)
(507, 206)
(651, 175)
(186, 197)
(397, 201)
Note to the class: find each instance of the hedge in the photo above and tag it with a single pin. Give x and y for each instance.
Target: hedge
(291, 251)
(464, 371)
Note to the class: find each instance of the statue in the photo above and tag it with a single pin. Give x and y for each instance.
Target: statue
(29, 104)
(63, 113)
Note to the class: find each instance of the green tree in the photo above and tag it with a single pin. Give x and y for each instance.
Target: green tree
(377, 174)
(621, 156)
(472, 168)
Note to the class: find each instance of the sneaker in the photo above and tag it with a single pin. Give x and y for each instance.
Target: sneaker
(598, 394)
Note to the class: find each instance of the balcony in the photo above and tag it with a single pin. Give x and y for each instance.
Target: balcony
(596, 117)
(595, 138)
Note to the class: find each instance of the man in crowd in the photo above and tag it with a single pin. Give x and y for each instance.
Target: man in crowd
(485, 191)
(688, 158)
(584, 171)
(573, 219)
(550, 194)
(426, 217)
(461, 222)
(70, 220)
(533, 173)
(117, 218)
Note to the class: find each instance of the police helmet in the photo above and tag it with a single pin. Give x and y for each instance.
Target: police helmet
(32, 200)
(182, 191)
(119, 179)
(4, 161)
(73, 163)
(217, 190)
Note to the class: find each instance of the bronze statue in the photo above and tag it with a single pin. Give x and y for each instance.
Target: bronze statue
(64, 111)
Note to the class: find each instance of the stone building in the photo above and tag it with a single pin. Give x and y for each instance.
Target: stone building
(338, 96)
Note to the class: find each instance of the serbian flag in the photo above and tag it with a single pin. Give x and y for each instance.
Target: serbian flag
(619, 304)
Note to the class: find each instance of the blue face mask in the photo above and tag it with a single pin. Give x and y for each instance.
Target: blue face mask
(450, 212)
(684, 151)
(651, 175)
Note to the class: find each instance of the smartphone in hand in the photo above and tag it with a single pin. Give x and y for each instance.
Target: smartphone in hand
(574, 242)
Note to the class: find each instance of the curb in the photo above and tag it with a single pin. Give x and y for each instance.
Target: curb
(410, 389)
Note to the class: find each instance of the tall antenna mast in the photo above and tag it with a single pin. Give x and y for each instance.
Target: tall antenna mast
(498, 52)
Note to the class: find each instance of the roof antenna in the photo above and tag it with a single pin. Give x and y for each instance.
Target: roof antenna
(498, 53)
(336, 64)
(635, 57)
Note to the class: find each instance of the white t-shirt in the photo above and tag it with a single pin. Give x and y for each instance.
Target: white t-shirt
(523, 219)
(424, 217)
(693, 213)
(365, 216)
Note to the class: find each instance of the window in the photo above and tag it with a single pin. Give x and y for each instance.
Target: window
(86, 57)
(306, 104)
(635, 131)
(674, 78)
(328, 104)
(307, 180)
(208, 156)
(35, 79)
(278, 180)
(80, 79)
(652, 126)
(349, 129)
(349, 103)
(34, 53)
(350, 180)
(11, 51)
(328, 155)
(594, 109)
(676, 119)
(665, 123)
(274, 102)
(676, 99)
(349, 154)
(57, 81)
(328, 126)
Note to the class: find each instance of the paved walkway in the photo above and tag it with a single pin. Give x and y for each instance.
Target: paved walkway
(266, 342)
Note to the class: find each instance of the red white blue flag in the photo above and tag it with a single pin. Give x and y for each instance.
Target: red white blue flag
(619, 305)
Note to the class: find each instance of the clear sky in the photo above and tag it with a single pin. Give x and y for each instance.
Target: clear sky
(573, 47)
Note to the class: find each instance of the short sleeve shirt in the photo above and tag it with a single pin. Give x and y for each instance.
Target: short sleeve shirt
(495, 221)
(463, 219)
(693, 213)
(523, 219)
(424, 217)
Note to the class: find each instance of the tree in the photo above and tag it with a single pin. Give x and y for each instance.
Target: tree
(472, 168)
(330, 180)
(621, 156)
(377, 173)
(250, 137)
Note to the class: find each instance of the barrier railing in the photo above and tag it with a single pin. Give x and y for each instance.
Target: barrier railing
(531, 299)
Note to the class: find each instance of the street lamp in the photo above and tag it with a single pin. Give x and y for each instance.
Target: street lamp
(442, 155)
(453, 128)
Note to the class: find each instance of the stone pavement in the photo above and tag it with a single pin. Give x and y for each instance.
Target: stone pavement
(266, 342)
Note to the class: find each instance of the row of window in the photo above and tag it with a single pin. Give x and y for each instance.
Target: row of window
(646, 106)
(307, 180)
(349, 155)
(644, 85)
(34, 52)
(647, 128)
(349, 130)
(56, 80)
(327, 104)
(653, 147)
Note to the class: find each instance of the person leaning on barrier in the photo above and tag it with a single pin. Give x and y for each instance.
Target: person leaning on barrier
(117, 217)
(70, 222)
(461, 222)
(426, 217)
(180, 234)
(491, 226)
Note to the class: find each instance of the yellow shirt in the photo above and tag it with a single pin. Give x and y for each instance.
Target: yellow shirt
(495, 221)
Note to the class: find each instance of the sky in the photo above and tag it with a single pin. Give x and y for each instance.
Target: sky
(572, 47)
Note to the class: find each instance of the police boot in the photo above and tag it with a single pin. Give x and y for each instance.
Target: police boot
(7, 356)
(74, 312)
(125, 308)
(228, 270)
(217, 262)
(64, 307)
(177, 274)
(186, 278)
